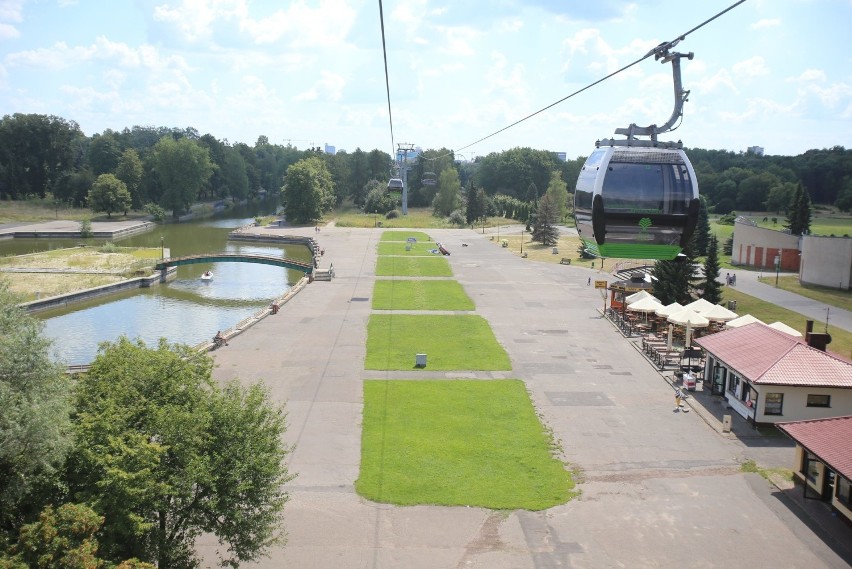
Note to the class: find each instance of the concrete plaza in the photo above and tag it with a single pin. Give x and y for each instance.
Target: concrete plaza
(658, 488)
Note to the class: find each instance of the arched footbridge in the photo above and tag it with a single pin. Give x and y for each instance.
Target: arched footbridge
(303, 266)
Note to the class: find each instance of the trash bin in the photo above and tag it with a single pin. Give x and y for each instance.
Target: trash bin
(555, 251)
(420, 360)
(732, 305)
(274, 308)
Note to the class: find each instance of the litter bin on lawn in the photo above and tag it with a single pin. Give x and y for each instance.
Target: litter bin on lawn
(420, 360)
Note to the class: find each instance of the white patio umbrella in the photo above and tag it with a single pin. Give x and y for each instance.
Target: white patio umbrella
(636, 296)
(700, 306)
(669, 309)
(742, 321)
(786, 329)
(648, 304)
(719, 314)
(690, 319)
(687, 316)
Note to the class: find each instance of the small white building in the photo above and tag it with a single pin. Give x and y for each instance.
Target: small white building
(823, 460)
(769, 377)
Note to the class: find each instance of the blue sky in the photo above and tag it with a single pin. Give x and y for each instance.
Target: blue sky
(771, 73)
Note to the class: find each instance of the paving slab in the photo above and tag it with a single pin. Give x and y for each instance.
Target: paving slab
(658, 488)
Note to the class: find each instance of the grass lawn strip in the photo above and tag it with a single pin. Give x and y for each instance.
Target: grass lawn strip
(413, 267)
(400, 294)
(458, 443)
(450, 342)
(404, 235)
(422, 248)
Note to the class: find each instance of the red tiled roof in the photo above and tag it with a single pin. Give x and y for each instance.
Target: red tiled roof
(764, 355)
(829, 439)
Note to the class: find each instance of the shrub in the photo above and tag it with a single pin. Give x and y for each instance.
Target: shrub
(392, 214)
(85, 227)
(457, 218)
(155, 211)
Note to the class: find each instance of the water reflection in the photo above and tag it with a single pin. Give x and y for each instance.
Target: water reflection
(187, 309)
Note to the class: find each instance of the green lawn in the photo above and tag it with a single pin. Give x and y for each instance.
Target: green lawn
(841, 340)
(420, 295)
(460, 342)
(413, 267)
(422, 248)
(830, 296)
(404, 235)
(458, 443)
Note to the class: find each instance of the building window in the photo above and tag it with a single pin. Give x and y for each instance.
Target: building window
(819, 400)
(812, 468)
(773, 404)
(844, 491)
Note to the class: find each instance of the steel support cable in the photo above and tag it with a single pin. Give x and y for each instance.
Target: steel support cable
(614, 73)
(387, 79)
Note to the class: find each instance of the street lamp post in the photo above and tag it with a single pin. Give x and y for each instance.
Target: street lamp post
(162, 249)
(777, 267)
(522, 241)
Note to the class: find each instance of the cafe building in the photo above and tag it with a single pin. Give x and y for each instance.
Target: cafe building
(823, 460)
(768, 376)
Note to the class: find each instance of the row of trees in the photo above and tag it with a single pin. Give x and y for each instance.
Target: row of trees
(132, 461)
(170, 167)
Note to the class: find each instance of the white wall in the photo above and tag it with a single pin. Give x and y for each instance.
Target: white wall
(795, 403)
(826, 261)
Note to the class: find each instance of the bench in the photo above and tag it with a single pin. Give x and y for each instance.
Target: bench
(565, 261)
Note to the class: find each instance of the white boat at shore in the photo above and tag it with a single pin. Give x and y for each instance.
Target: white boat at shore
(207, 276)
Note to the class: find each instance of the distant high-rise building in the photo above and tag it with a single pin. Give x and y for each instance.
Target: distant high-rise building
(756, 150)
(329, 149)
(563, 156)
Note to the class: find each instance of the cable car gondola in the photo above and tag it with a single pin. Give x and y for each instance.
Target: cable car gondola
(395, 187)
(429, 179)
(638, 199)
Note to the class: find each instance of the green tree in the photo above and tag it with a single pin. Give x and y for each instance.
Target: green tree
(780, 196)
(62, 538)
(799, 212)
(103, 153)
(711, 285)
(234, 177)
(34, 413)
(308, 190)
(557, 189)
(109, 194)
(164, 454)
(475, 206)
(378, 199)
(844, 197)
(183, 168)
(544, 229)
(676, 277)
(129, 171)
(448, 198)
(702, 228)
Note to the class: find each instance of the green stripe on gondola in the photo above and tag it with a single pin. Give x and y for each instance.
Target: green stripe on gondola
(638, 251)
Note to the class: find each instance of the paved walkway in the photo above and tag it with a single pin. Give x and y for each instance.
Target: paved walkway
(747, 283)
(659, 488)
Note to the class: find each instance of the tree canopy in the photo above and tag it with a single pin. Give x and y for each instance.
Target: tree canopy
(35, 417)
(164, 454)
(109, 194)
(308, 190)
(183, 168)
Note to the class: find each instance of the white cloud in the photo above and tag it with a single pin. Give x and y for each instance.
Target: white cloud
(753, 67)
(8, 32)
(457, 41)
(299, 25)
(718, 81)
(809, 75)
(12, 10)
(607, 59)
(766, 23)
(328, 88)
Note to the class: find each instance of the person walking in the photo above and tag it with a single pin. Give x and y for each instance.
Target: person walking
(678, 398)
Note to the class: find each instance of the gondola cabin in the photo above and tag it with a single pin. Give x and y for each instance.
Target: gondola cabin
(395, 187)
(636, 202)
(429, 179)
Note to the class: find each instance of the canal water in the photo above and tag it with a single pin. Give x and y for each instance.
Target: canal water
(185, 310)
